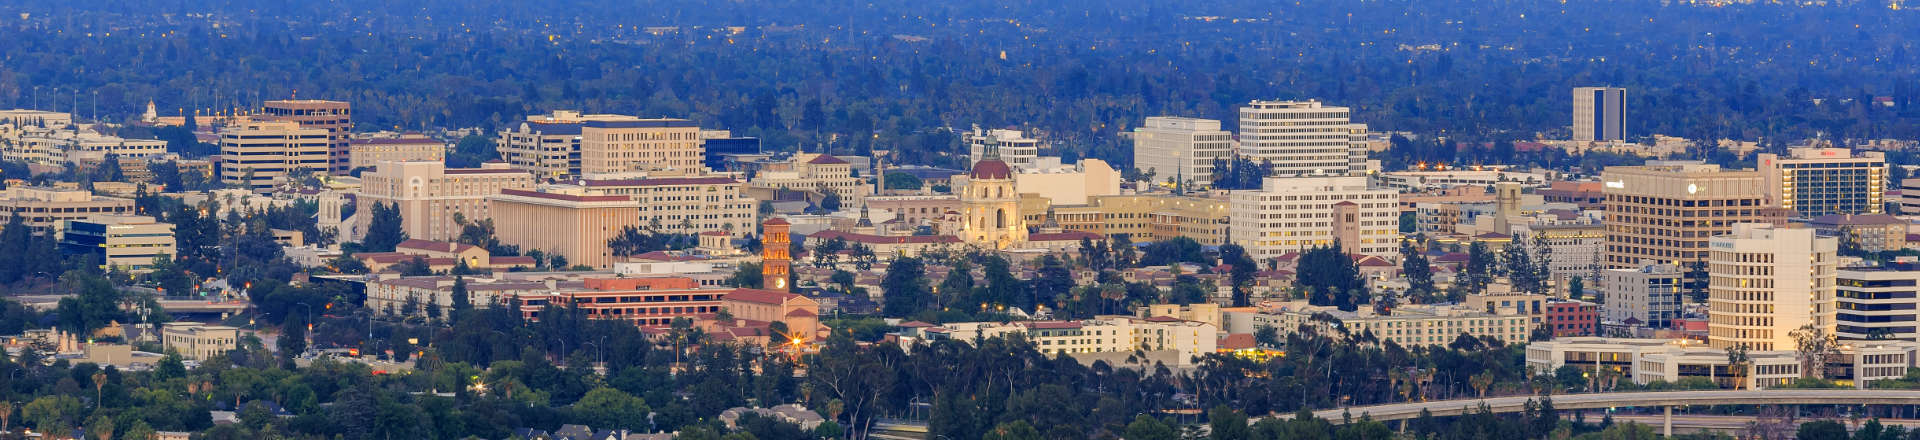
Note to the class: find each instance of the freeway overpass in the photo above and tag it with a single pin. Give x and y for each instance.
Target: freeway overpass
(1666, 399)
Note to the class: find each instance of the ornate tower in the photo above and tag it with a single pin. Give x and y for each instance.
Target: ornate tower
(774, 261)
(990, 207)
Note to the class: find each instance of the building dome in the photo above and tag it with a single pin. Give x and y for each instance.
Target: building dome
(991, 169)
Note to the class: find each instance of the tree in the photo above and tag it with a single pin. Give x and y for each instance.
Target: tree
(383, 228)
(462, 303)
(1480, 268)
(1418, 271)
(293, 336)
(1331, 279)
(904, 290)
(1148, 428)
(1518, 264)
(1577, 288)
(830, 202)
(1822, 430)
(1227, 424)
(898, 180)
(1014, 430)
(612, 409)
(1813, 346)
(1242, 272)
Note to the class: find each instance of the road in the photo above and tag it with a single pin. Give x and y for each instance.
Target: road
(1509, 404)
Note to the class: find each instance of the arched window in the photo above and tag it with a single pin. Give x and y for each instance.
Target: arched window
(1001, 220)
(999, 192)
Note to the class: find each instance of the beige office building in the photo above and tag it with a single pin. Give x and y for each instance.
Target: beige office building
(1180, 148)
(335, 117)
(44, 209)
(1303, 138)
(128, 243)
(198, 341)
(1141, 217)
(271, 151)
(1292, 213)
(687, 205)
(808, 171)
(367, 153)
(564, 221)
(1821, 181)
(640, 145)
(1767, 282)
(429, 194)
(1665, 212)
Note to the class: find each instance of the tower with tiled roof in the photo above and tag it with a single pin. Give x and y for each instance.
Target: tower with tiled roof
(775, 263)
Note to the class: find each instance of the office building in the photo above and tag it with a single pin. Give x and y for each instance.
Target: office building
(1303, 138)
(430, 195)
(1180, 148)
(567, 144)
(1069, 184)
(815, 172)
(395, 295)
(1910, 196)
(686, 205)
(366, 153)
(1572, 318)
(127, 243)
(629, 145)
(1665, 212)
(1141, 217)
(1599, 113)
(262, 155)
(568, 222)
(334, 117)
(1015, 148)
(45, 209)
(1411, 325)
(198, 341)
(1102, 334)
(1820, 181)
(1292, 213)
(645, 302)
(1864, 233)
(1645, 361)
(1648, 296)
(1876, 303)
(1767, 282)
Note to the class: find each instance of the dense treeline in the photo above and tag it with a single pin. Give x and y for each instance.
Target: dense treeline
(1461, 69)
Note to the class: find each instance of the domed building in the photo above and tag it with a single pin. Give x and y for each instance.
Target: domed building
(990, 207)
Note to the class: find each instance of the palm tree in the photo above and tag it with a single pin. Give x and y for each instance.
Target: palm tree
(99, 387)
(1481, 382)
(6, 416)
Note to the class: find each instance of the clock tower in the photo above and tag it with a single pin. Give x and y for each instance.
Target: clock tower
(774, 261)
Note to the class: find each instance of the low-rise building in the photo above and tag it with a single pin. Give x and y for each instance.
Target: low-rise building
(1877, 303)
(1645, 361)
(45, 209)
(1408, 325)
(815, 172)
(368, 153)
(431, 197)
(687, 205)
(1103, 334)
(129, 243)
(396, 295)
(198, 341)
(571, 224)
(1572, 318)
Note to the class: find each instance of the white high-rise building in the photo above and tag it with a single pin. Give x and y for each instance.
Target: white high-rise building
(1016, 149)
(1599, 113)
(1182, 148)
(1767, 282)
(1289, 214)
(1303, 138)
(1648, 296)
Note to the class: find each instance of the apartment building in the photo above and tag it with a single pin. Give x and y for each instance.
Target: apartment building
(1867, 233)
(430, 195)
(567, 144)
(1015, 148)
(391, 294)
(262, 155)
(333, 117)
(1823, 181)
(46, 209)
(1180, 148)
(1767, 282)
(128, 243)
(367, 153)
(1665, 212)
(569, 222)
(1291, 213)
(686, 205)
(1876, 303)
(1303, 138)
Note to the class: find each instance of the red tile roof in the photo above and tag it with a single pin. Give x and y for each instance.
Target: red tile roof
(826, 159)
(661, 181)
(885, 239)
(1047, 325)
(434, 246)
(758, 296)
(1237, 341)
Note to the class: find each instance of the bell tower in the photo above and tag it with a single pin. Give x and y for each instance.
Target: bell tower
(774, 260)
